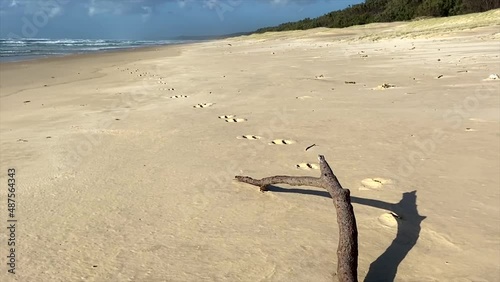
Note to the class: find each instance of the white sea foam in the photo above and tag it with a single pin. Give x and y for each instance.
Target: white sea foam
(19, 49)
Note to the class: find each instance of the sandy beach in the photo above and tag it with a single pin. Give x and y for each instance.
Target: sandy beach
(125, 161)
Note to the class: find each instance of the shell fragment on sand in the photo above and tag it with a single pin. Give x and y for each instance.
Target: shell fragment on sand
(493, 77)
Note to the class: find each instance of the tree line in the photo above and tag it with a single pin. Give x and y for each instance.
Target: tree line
(372, 11)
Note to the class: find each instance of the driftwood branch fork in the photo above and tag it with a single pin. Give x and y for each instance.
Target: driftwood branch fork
(347, 251)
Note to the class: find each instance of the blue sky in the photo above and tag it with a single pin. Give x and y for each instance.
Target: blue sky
(151, 19)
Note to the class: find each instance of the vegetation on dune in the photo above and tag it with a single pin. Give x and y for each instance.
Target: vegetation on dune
(372, 11)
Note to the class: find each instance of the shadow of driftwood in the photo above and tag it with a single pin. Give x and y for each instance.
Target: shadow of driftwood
(385, 267)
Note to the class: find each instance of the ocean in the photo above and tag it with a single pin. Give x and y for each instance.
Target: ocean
(33, 48)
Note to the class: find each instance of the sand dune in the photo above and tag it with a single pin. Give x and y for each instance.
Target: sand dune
(125, 160)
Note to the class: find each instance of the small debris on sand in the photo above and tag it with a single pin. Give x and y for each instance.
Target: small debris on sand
(350, 82)
(386, 86)
(309, 147)
(439, 76)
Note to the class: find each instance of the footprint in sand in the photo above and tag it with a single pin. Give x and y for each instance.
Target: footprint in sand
(434, 238)
(374, 183)
(389, 219)
(204, 105)
(178, 96)
(232, 118)
(249, 137)
(282, 142)
(307, 166)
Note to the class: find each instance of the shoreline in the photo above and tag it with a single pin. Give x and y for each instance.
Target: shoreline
(9, 70)
(125, 49)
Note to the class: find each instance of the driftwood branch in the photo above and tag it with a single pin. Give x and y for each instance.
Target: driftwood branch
(347, 251)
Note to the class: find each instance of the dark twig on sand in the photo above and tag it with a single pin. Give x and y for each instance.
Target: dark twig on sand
(309, 147)
(347, 250)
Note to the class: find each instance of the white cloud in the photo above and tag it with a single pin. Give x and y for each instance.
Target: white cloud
(104, 7)
(94, 7)
(50, 8)
(54, 11)
(147, 13)
(142, 7)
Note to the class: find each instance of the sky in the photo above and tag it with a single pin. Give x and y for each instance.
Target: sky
(151, 19)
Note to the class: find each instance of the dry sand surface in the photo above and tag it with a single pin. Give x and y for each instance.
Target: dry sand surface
(125, 161)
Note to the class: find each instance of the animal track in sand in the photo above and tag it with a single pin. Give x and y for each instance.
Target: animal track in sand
(114, 132)
(178, 96)
(236, 120)
(282, 142)
(227, 116)
(232, 118)
(374, 183)
(249, 137)
(204, 105)
(307, 166)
